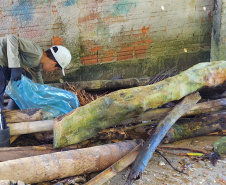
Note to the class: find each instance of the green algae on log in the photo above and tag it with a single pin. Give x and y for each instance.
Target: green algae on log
(110, 110)
(198, 126)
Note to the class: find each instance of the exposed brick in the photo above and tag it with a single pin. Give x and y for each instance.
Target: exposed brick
(126, 49)
(109, 58)
(125, 53)
(90, 62)
(95, 49)
(143, 47)
(57, 41)
(124, 57)
(110, 51)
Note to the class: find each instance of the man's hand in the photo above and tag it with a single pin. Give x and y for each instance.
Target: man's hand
(16, 73)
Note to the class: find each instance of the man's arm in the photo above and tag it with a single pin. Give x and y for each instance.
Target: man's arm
(36, 74)
(29, 53)
(13, 52)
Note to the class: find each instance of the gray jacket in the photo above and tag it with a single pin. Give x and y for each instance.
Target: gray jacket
(18, 52)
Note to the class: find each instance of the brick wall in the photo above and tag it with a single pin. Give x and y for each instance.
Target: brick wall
(120, 33)
(120, 30)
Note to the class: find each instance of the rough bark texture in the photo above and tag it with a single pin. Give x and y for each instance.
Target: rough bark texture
(24, 115)
(100, 85)
(110, 172)
(193, 127)
(64, 164)
(153, 141)
(200, 108)
(84, 122)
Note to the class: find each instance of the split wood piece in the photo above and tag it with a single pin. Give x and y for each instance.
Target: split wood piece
(30, 127)
(153, 141)
(104, 85)
(23, 115)
(112, 109)
(193, 127)
(64, 164)
(13, 138)
(115, 168)
(199, 108)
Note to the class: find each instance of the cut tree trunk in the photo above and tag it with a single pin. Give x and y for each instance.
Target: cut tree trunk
(200, 108)
(104, 85)
(11, 153)
(24, 115)
(115, 168)
(110, 110)
(193, 127)
(64, 164)
(30, 127)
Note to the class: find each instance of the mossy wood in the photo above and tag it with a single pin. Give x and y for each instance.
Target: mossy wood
(110, 110)
(200, 108)
(199, 126)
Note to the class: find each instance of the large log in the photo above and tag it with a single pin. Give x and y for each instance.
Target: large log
(104, 85)
(84, 122)
(64, 164)
(11, 153)
(200, 108)
(23, 115)
(110, 172)
(199, 126)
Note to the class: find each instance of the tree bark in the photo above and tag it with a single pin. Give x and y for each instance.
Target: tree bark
(64, 164)
(115, 168)
(24, 115)
(30, 127)
(11, 153)
(193, 127)
(200, 108)
(104, 85)
(153, 141)
(112, 109)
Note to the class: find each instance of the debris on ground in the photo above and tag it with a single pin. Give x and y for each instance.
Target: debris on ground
(171, 163)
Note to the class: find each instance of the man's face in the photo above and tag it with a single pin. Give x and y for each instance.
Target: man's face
(50, 66)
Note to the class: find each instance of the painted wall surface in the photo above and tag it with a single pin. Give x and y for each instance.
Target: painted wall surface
(111, 37)
(218, 43)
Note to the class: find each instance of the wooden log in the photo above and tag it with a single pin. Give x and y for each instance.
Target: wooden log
(200, 108)
(64, 164)
(112, 109)
(193, 127)
(30, 127)
(153, 141)
(104, 85)
(11, 153)
(23, 115)
(115, 168)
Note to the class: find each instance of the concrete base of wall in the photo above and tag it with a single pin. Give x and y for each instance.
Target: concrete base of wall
(145, 67)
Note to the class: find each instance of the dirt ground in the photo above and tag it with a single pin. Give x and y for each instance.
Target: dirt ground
(158, 171)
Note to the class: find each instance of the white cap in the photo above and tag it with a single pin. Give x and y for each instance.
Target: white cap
(62, 56)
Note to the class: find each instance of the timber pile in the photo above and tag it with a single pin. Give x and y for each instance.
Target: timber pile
(155, 113)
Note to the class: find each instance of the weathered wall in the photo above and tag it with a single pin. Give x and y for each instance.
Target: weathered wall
(218, 44)
(106, 38)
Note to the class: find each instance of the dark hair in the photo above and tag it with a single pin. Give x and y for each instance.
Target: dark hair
(50, 55)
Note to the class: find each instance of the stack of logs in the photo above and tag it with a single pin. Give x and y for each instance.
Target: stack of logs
(22, 163)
